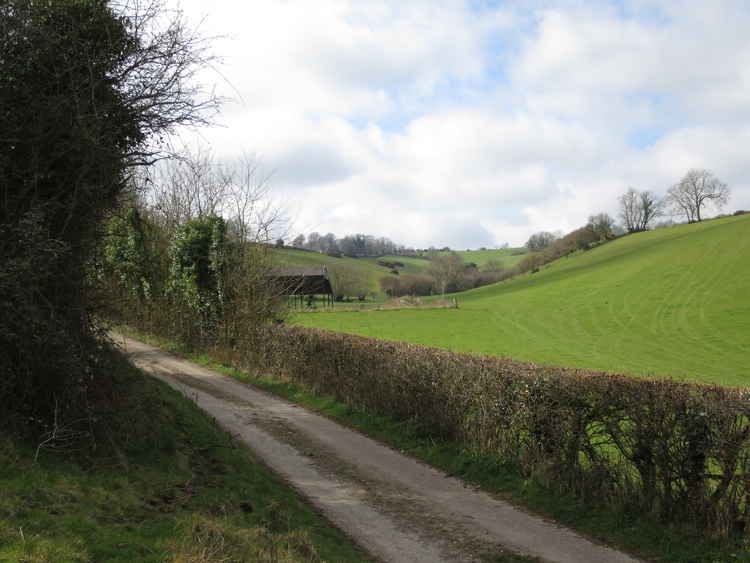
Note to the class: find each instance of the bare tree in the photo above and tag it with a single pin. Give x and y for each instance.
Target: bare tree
(328, 243)
(638, 209)
(185, 187)
(601, 224)
(651, 208)
(540, 241)
(313, 241)
(696, 189)
(160, 77)
(248, 201)
(447, 270)
(194, 185)
(630, 210)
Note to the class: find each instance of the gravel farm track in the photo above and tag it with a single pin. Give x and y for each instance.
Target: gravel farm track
(397, 509)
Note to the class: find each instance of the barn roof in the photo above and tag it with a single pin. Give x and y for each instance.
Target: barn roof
(296, 280)
(299, 271)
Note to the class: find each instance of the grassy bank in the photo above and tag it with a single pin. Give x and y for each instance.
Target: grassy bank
(163, 483)
(667, 302)
(625, 527)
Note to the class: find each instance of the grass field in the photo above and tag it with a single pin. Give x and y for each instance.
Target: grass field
(164, 484)
(372, 272)
(481, 257)
(672, 302)
(411, 265)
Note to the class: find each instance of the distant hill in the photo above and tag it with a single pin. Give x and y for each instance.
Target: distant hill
(367, 267)
(373, 268)
(673, 301)
(508, 256)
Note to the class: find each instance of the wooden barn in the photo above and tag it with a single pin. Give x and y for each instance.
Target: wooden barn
(301, 282)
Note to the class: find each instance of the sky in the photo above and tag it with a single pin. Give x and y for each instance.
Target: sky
(473, 124)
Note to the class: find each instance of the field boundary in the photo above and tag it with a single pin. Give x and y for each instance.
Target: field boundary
(677, 451)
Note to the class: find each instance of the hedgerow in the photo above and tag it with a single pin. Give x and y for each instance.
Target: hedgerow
(679, 451)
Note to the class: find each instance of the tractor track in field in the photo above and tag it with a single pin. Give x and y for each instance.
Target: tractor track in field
(397, 509)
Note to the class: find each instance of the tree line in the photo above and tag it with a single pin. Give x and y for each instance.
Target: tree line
(697, 191)
(446, 273)
(356, 245)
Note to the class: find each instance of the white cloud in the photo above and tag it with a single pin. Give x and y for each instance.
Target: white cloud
(434, 124)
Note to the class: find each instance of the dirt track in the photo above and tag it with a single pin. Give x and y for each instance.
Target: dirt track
(396, 508)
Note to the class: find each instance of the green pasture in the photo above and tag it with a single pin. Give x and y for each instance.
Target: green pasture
(671, 302)
(410, 265)
(481, 257)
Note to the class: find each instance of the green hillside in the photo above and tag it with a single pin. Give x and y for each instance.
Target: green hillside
(668, 302)
(481, 257)
(367, 267)
(373, 272)
(410, 265)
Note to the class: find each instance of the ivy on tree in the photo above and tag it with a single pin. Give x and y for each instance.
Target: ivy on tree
(87, 91)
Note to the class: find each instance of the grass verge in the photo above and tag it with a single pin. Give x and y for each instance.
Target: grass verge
(625, 529)
(164, 483)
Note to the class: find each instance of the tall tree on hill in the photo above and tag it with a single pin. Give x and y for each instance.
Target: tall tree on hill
(697, 188)
(540, 241)
(638, 209)
(447, 270)
(313, 241)
(328, 243)
(602, 225)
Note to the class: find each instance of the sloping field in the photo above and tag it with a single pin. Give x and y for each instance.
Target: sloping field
(669, 302)
(410, 265)
(366, 267)
(481, 257)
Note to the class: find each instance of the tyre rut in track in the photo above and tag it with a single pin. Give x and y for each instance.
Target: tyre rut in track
(396, 508)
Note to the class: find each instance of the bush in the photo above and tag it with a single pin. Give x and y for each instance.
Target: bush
(679, 451)
(493, 265)
(419, 285)
(390, 265)
(85, 90)
(348, 282)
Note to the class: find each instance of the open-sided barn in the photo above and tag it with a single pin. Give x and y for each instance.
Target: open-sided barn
(300, 282)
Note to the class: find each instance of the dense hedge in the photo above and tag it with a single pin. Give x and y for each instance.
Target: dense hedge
(677, 450)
